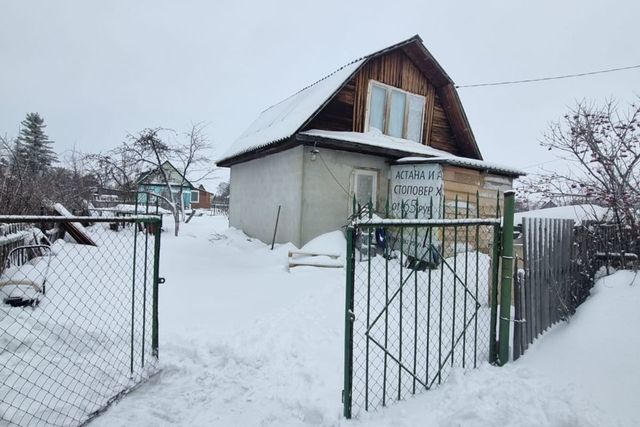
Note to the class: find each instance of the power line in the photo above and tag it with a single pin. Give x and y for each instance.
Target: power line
(541, 79)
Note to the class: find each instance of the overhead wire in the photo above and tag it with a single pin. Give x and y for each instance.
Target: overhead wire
(541, 79)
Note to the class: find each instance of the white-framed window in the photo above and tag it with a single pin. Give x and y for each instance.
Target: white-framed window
(195, 196)
(365, 186)
(394, 111)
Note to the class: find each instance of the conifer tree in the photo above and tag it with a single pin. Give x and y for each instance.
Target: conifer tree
(33, 147)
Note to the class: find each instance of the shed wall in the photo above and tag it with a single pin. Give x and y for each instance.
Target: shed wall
(328, 188)
(258, 187)
(462, 183)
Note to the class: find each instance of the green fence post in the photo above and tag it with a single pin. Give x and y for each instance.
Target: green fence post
(348, 324)
(145, 226)
(495, 271)
(133, 289)
(157, 226)
(506, 277)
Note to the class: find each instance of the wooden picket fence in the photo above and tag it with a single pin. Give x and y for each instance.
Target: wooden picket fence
(558, 268)
(543, 279)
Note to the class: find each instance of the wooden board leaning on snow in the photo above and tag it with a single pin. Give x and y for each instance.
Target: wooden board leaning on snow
(314, 259)
(75, 229)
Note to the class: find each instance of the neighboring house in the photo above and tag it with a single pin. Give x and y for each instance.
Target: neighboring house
(343, 136)
(153, 182)
(200, 198)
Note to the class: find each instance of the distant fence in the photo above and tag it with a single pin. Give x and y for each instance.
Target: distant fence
(220, 209)
(559, 265)
(78, 322)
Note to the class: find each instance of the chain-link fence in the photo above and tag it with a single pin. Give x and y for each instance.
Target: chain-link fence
(418, 304)
(78, 315)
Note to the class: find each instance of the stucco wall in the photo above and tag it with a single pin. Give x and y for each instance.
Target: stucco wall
(258, 187)
(327, 199)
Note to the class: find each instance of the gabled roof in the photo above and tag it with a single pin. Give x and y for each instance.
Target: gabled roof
(148, 174)
(201, 188)
(281, 121)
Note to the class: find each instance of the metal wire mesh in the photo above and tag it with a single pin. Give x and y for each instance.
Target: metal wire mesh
(420, 307)
(78, 322)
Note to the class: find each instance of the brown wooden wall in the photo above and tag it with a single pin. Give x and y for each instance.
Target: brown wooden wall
(204, 201)
(346, 111)
(466, 183)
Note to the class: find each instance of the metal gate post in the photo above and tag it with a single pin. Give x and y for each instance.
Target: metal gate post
(157, 226)
(506, 277)
(495, 272)
(348, 323)
(133, 287)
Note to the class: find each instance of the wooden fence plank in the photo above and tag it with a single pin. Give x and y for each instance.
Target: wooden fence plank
(527, 284)
(543, 273)
(535, 261)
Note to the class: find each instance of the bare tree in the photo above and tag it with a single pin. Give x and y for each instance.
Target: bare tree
(117, 169)
(601, 145)
(192, 158)
(149, 150)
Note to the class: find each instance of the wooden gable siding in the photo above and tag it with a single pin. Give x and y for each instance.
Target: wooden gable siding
(338, 113)
(442, 136)
(395, 69)
(347, 110)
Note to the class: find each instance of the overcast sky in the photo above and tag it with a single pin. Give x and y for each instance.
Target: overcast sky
(97, 71)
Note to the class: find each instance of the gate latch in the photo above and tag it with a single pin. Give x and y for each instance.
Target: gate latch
(161, 280)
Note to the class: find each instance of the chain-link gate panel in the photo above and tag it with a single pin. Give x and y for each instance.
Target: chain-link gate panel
(419, 305)
(78, 322)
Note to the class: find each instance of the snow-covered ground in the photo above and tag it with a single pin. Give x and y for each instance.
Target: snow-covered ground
(58, 361)
(244, 342)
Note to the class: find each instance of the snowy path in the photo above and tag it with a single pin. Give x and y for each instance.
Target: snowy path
(245, 343)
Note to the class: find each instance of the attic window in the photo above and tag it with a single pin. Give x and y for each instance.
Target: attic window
(395, 112)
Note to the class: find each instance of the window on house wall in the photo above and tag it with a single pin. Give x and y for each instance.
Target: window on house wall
(195, 197)
(395, 112)
(365, 186)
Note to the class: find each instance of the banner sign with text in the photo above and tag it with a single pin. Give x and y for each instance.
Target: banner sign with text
(421, 183)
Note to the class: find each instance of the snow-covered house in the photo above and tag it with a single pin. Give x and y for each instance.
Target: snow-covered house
(387, 127)
(153, 181)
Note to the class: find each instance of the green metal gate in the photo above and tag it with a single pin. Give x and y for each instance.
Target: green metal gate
(421, 299)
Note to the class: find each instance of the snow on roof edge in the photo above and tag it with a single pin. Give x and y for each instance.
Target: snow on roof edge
(465, 161)
(375, 138)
